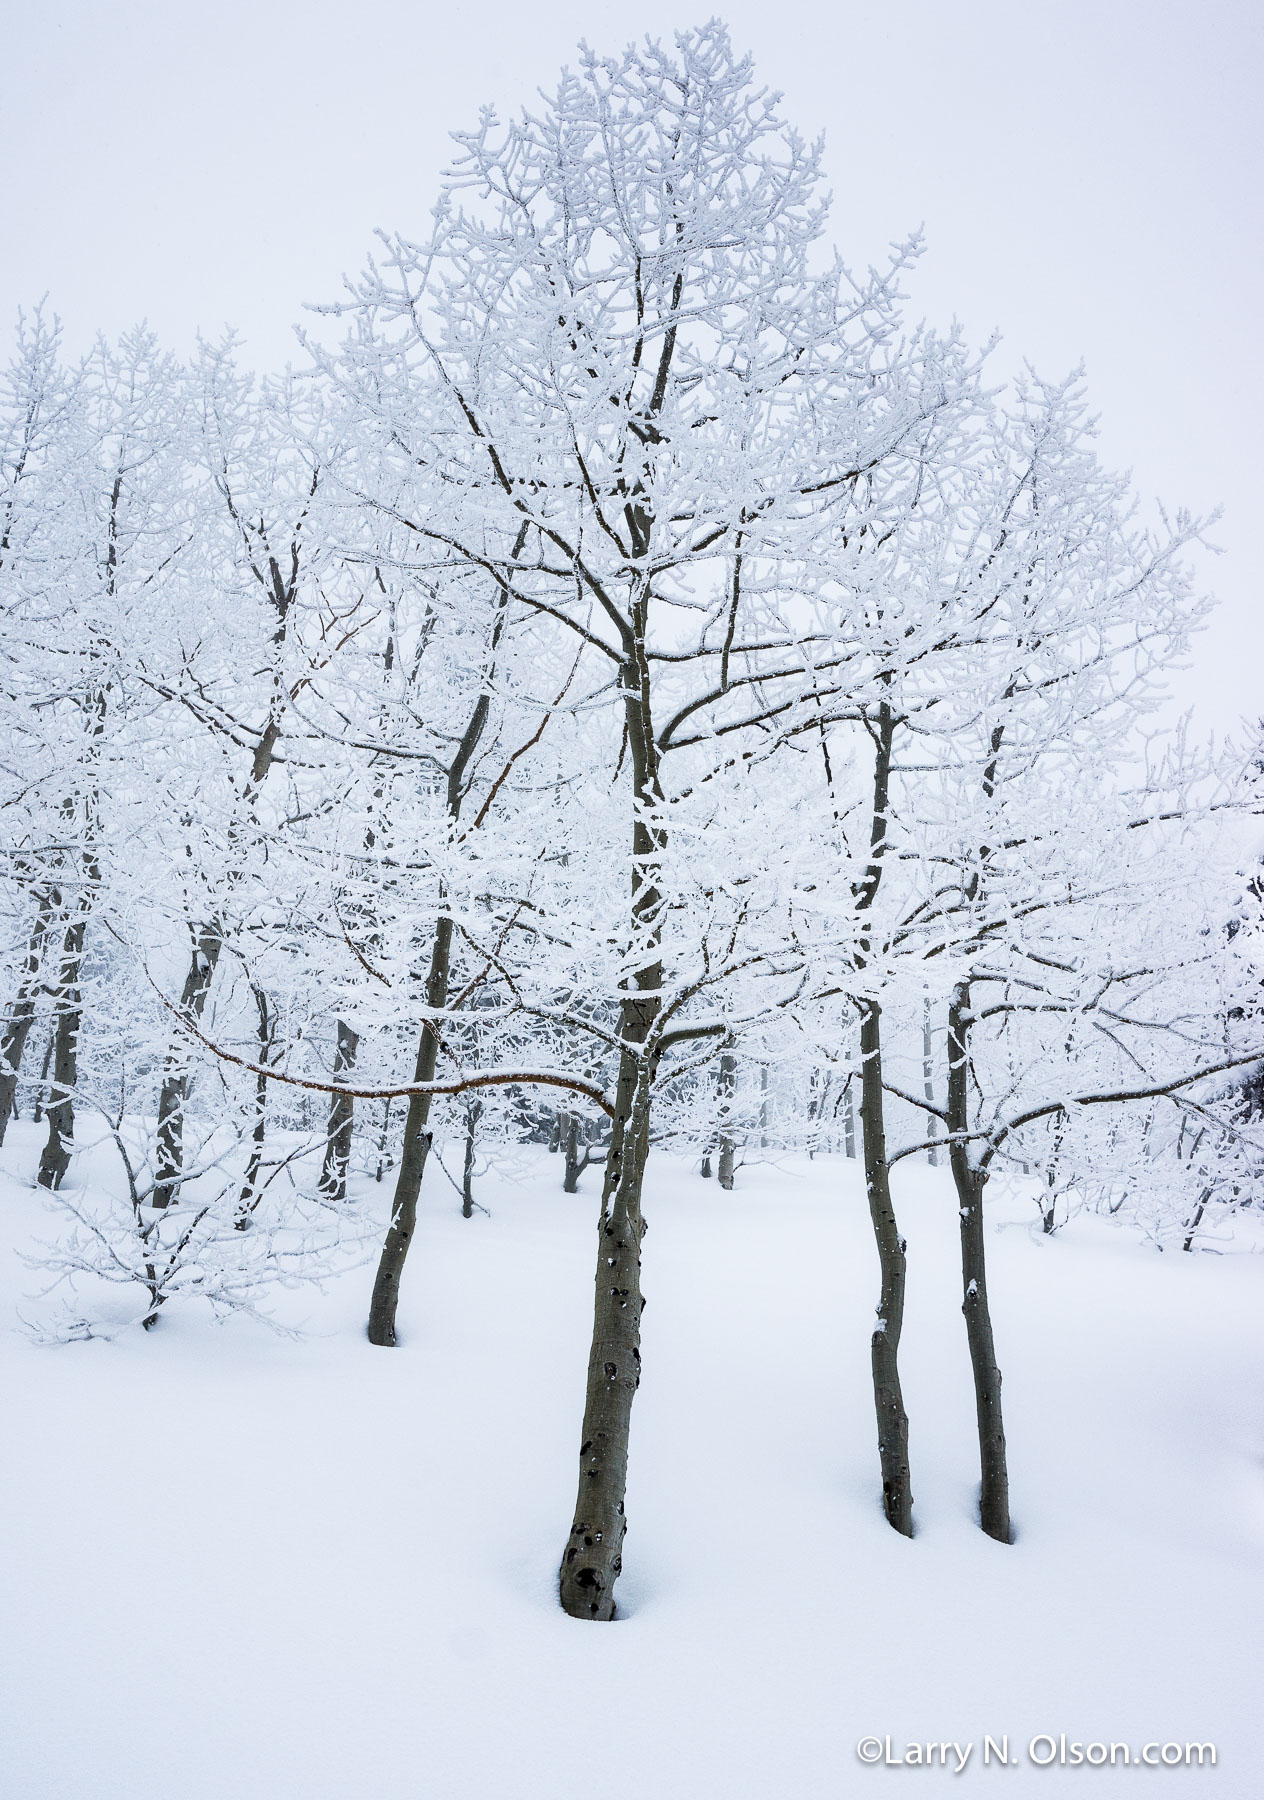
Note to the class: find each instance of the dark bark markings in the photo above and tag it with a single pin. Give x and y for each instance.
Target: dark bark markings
(281, 590)
(55, 1156)
(22, 1015)
(884, 1344)
(726, 1083)
(416, 1144)
(970, 1183)
(593, 1557)
(333, 1174)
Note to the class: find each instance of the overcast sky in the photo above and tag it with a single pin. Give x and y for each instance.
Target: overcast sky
(1088, 174)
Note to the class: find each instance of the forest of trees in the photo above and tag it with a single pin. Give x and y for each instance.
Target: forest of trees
(628, 689)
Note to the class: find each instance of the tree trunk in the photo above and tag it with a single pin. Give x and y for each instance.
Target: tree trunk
(1191, 1230)
(248, 1198)
(594, 1554)
(928, 1083)
(884, 1345)
(473, 1113)
(333, 1174)
(415, 1150)
(970, 1183)
(41, 1093)
(726, 1084)
(575, 1164)
(175, 1081)
(208, 939)
(416, 1145)
(55, 1158)
(816, 1110)
(849, 1122)
(22, 1017)
(383, 1162)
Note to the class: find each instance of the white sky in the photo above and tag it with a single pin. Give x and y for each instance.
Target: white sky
(1088, 173)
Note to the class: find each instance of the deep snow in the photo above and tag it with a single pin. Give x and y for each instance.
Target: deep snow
(240, 1567)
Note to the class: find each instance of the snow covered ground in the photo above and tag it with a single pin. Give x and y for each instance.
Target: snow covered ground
(241, 1567)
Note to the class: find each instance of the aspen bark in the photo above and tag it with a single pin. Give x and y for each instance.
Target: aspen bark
(1191, 1229)
(473, 1113)
(970, 1182)
(726, 1084)
(248, 1198)
(333, 1174)
(22, 1016)
(574, 1165)
(415, 1151)
(55, 1156)
(816, 1109)
(281, 589)
(849, 1122)
(383, 1160)
(884, 1345)
(203, 959)
(416, 1145)
(928, 1083)
(593, 1557)
(41, 1092)
(60, 1106)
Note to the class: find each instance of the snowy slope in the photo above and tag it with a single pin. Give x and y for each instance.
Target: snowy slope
(240, 1565)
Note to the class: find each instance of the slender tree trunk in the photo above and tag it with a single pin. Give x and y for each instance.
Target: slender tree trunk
(570, 1148)
(594, 1553)
(928, 1083)
(41, 1096)
(816, 1110)
(1049, 1213)
(473, 1113)
(248, 1198)
(60, 1105)
(970, 1183)
(413, 1155)
(593, 1556)
(1192, 1228)
(725, 1165)
(763, 1107)
(333, 1174)
(175, 1081)
(884, 1345)
(575, 1163)
(208, 940)
(383, 1139)
(18, 1027)
(849, 1122)
(416, 1145)
(55, 1158)
(726, 1085)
